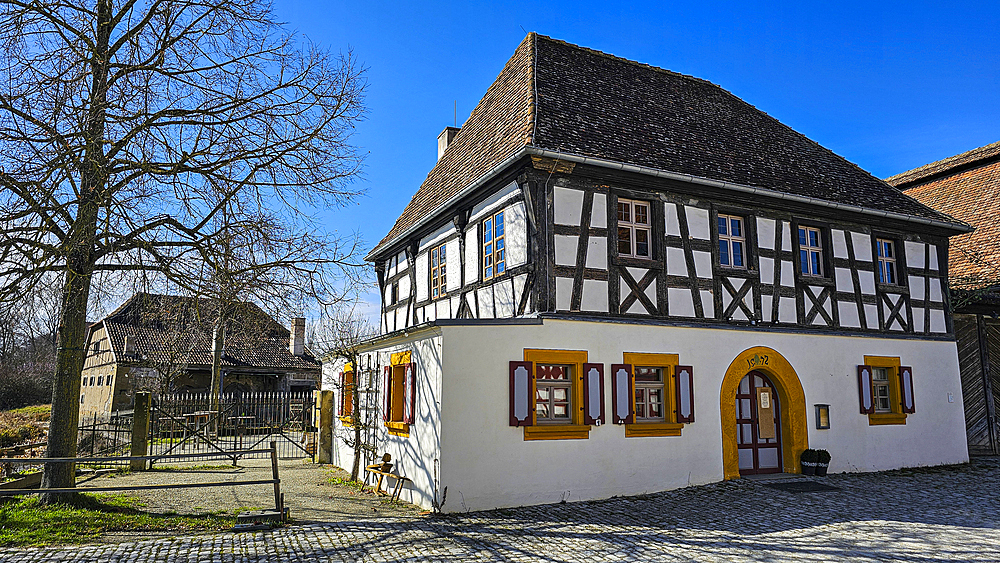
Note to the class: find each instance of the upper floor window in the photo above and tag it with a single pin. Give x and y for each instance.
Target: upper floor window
(494, 255)
(394, 293)
(633, 228)
(97, 348)
(732, 242)
(439, 276)
(880, 389)
(886, 261)
(810, 251)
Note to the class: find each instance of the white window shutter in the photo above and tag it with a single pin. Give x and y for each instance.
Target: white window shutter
(521, 405)
(593, 394)
(622, 397)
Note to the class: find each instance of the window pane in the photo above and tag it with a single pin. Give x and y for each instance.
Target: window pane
(890, 271)
(888, 249)
(434, 258)
(487, 230)
(802, 236)
(499, 225)
(737, 254)
(814, 238)
(443, 253)
(624, 212)
(560, 411)
(655, 410)
(736, 227)
(804, 259)
(648, 374)
(559, 394)
(541, 410)
(499, 243)
(815, 263)
(624, 240)
(723, 226)
(724, 252)
(489, 271)
(640, 403)
(641, 242)
(488, 249)
(641, 214)
(880, 374)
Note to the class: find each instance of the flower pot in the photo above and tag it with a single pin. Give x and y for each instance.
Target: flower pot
(821, 468)
(809, 468)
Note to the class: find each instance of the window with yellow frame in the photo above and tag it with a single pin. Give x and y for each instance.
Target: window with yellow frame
(346, 410)
(885, 391)
(557, 396)
(394, 419)
(654, 395)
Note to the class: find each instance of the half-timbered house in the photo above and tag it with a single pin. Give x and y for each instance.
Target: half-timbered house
(620, 279)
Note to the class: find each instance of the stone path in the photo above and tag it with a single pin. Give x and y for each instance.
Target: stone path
(928, 515)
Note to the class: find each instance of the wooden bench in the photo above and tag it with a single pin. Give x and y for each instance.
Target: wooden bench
(383, 470)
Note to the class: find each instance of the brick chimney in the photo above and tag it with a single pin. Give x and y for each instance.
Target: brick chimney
(297, 340)
(445, 139)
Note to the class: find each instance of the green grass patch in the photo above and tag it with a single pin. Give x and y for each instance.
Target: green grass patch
(21, 426)
(37, 413)
(24, 522)
(345, 482)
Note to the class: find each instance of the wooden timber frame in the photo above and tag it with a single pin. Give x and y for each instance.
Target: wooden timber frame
(736, 296)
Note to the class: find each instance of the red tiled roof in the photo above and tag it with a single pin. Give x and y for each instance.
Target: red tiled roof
(967, 187)
(556, 96)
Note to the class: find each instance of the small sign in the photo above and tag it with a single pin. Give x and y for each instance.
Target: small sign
(765, 414)
(765, 399)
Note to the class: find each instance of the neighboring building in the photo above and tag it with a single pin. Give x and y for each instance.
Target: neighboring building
(967, 187)
(619, 279)
(163, 343)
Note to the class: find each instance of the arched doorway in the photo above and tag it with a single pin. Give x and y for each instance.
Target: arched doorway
(758, 420)
(790, 414)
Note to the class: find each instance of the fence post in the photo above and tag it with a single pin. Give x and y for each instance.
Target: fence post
(326, 426)
(140, 431)
(278, 504)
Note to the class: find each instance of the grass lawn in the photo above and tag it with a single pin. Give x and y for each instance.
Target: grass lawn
(24, 522)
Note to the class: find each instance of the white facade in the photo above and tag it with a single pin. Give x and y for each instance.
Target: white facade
(462, 439)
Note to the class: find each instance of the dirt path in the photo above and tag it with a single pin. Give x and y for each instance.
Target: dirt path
(310, 494)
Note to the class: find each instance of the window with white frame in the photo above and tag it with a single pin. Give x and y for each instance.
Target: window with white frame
(553, 394)
(439, 276)
(633, 228)
(732, 242)
(494, 247)
(886, 260)
(649, 394)
(810, 251)
(880, 389)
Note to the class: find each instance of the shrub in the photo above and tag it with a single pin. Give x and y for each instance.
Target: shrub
(809, 455)
(822, 456)
(19, 427)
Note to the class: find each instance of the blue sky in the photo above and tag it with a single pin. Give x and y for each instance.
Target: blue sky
(889, 86)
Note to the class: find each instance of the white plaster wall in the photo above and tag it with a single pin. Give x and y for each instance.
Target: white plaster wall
(516, 233)
(494, 202)
(421, 267)
(487, 464)
(453, 266)
(568, 206)
(437, 236)
(698, 226)
(415, 456)
(472, 251)
(599, 212)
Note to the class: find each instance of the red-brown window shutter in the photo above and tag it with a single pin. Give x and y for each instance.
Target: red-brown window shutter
(866, 396)
(593, 394)
(622, 394)
(387, 397)
(522, 377)
(906, 389)
(684, 386)
(410, 393)
(343, 394)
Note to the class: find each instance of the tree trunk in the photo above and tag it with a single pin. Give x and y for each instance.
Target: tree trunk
(80, 262)
(218, 343)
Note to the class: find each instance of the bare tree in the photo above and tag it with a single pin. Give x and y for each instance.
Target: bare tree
(340, 336)
(135, 135)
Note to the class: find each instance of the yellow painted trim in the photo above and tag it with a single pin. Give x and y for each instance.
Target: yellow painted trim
(897, 416)
(794, 431)
(349, 366)
(651, 429)
(398, 428)
(347, 421)
(400, 358)
(669, 363)
(575, 358)
(557, 432)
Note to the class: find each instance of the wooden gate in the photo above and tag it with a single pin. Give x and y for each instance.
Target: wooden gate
(978, 340)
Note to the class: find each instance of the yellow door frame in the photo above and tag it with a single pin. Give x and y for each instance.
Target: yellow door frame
(794, 431)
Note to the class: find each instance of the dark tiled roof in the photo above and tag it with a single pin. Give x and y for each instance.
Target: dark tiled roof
(176, 329)
(970, 194)
(945, 166)
(560, 97)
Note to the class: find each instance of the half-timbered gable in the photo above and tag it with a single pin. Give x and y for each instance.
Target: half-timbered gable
(622, 261)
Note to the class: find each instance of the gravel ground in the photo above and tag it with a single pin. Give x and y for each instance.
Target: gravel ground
(309, 493)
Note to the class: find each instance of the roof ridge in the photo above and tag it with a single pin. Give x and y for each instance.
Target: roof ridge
(946, 164)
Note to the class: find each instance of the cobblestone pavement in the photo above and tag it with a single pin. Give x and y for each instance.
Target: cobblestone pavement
(927, 515)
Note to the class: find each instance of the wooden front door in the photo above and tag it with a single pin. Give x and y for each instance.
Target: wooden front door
(757, 455)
